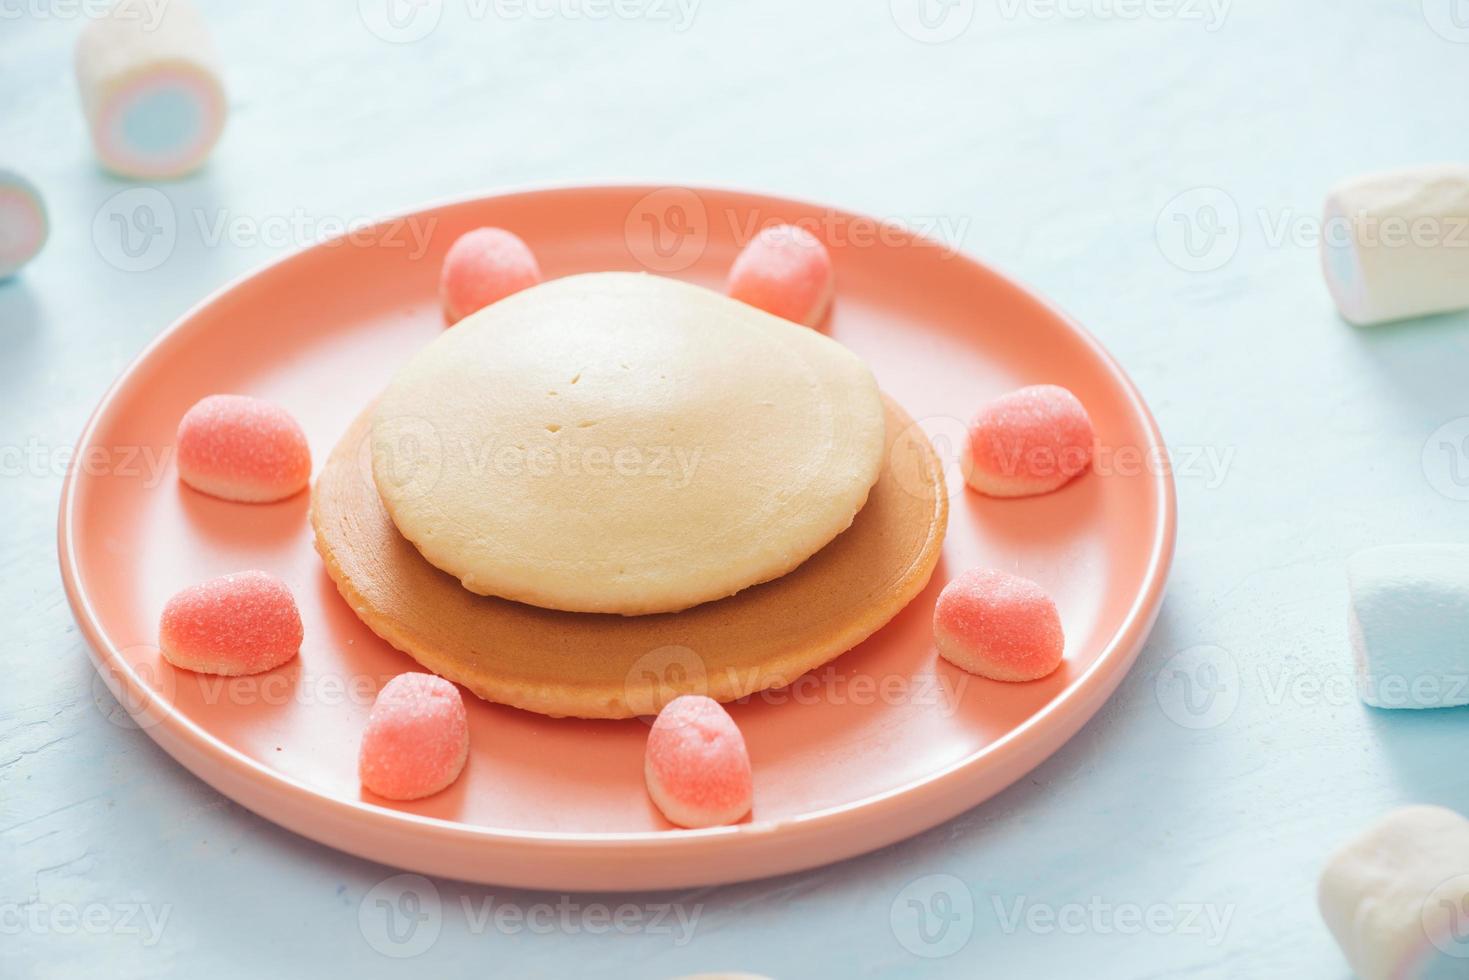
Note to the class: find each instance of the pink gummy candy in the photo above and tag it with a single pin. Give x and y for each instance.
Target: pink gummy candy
(243, 449)
(997, 625)
(1030, 441)
(696, 764)
(786, 271)
(243, 623)
(483, 267)
(417, 738)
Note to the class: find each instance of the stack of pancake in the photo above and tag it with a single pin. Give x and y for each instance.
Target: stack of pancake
(611, 489)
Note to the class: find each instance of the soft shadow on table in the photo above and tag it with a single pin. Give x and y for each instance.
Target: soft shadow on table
(21, 315)
(1419, 356)
(256, 525)
(1418, 743)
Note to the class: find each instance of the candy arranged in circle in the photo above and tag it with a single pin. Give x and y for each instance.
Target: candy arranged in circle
(607, 666)
(237, 624)
(23, 223)
(570, 826)
(998, 625)
(1033, 440)
(696, 765)
(483, 267)
(786, 271)
(417, 738)
(240, 448)
(625, 443)
(150, 86)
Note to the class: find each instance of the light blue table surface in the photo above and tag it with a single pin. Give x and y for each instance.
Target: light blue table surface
(1073, 144)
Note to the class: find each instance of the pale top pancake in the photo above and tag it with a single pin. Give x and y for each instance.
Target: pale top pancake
(604, 666)
(625, 443)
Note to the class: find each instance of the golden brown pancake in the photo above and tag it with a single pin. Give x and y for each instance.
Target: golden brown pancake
(617, 442)
(595, 665)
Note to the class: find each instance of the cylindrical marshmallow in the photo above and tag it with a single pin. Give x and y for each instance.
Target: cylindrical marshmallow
(1395, 896)
(1408, 622)
(23, 224)
(150, 88)
(1396, 245)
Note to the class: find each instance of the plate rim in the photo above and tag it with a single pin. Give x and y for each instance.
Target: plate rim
(1059, 720)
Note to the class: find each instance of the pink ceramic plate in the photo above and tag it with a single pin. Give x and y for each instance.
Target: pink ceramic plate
(885, 742)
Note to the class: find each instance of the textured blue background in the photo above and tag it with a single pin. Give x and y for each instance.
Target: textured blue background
(1073, 144)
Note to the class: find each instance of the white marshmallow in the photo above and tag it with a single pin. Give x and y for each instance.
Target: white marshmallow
(150, 88)
(1396, 245)
(1409, 625)
(23, 224)
(1397, 897)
